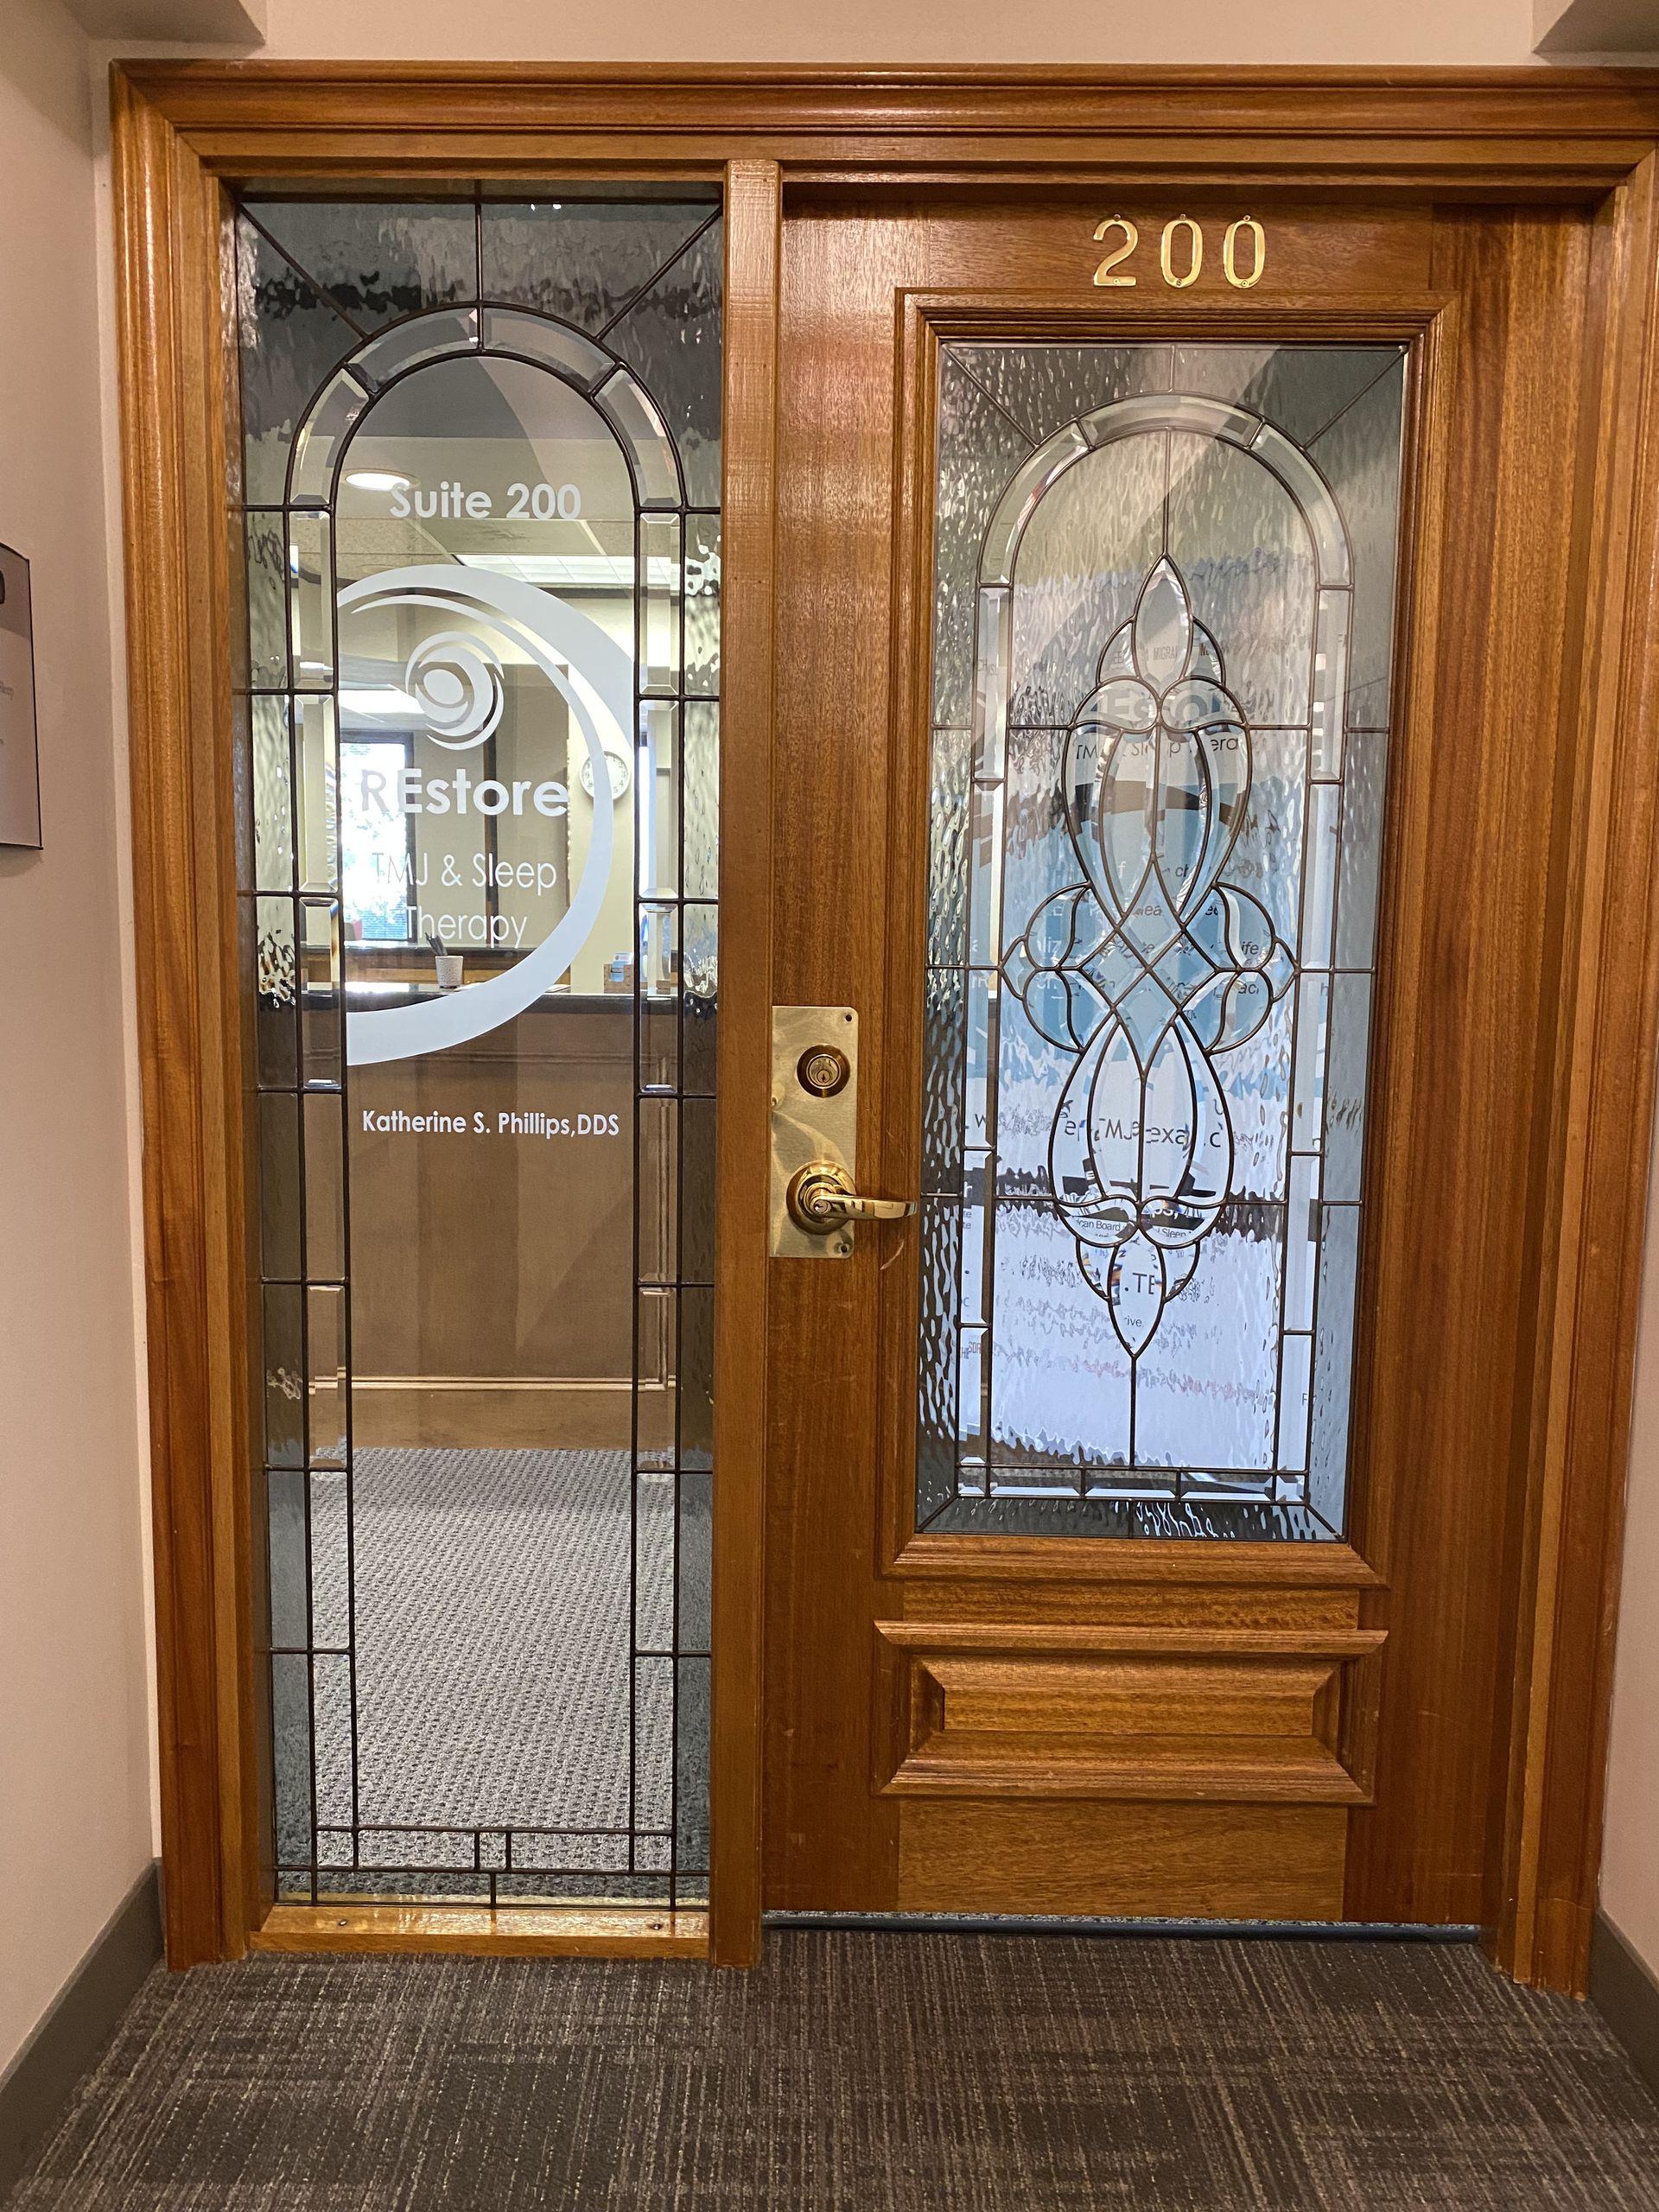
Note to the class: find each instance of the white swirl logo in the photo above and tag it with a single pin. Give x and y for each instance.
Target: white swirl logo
(458, 686)
(456, 679)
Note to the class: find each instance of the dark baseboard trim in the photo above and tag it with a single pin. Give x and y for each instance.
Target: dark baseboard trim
(1623, 1991)
(80, 2021)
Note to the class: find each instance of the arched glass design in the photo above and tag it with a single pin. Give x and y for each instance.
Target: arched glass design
(481, 467)
(1162, 641)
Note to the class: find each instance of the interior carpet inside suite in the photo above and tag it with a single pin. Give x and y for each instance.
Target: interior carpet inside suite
(495, 1599)
(857, 2072)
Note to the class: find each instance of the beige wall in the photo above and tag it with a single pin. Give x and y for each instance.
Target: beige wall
(914, 31)
(1629, 1871)
(74, 1734)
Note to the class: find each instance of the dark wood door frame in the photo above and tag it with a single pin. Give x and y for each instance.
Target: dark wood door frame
(182, 133)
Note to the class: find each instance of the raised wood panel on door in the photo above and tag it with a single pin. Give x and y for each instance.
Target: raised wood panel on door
(848, 903)
(979, 1709)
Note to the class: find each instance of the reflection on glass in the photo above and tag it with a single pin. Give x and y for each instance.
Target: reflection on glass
(1157, 815)
(483, 788)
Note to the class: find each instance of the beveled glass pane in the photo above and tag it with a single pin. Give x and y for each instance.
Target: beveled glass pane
(320, 1023)
(408, 345)
(317, 794)
(311, 599)
(273, 796)
(279, 1186)
(659, 604)
(324, 1188)
(659, 1183)
(284, 1356)
(331, 1735)
(331, 1559)
(1148, 1087)
(289, 1616)
(533, 338)
(653, 1743)
(700, 720)
(276, 994)
(657, 1363)
(322, 438)
(697, 1186)
(654, 1563)
(657, 799)
(696, 1377)
(638, 422)
(327, 1369)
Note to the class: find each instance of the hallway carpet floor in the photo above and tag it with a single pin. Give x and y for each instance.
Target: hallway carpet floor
(857, 2072)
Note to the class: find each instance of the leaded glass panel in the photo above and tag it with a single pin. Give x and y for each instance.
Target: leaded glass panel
(481, 473)
(1163, 598)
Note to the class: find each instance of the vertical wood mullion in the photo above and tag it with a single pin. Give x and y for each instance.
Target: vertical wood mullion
(742, 1155)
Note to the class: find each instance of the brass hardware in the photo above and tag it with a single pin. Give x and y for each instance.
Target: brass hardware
(821, 1200)
(814, 1121)
(823, 1070)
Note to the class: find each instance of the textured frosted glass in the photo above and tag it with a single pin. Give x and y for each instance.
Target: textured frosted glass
(671, 338)
(375, 261)
(1082, 560)
(1147, 1013)
(979, 449)
(583, 261)
(702, 604)
(701, 721)
(273, 797)
(1359, 456)
(292, 341)
(267, 604)
(1042, 387)
(1302, 388)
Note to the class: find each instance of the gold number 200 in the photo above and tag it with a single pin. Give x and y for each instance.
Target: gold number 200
(1190, 250)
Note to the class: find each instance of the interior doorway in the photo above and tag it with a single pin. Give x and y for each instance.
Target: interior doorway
(1203, 1502)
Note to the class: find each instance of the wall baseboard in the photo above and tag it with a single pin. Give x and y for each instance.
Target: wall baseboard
(80, 2021)
(1623, 1991)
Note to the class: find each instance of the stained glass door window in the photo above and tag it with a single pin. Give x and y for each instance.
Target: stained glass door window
(1162, 660)
(480, 477)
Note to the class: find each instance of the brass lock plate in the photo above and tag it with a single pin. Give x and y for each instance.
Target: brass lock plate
(814, 1116)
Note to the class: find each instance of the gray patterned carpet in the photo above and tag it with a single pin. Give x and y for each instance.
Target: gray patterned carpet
(861, 2073)
(492, 1638)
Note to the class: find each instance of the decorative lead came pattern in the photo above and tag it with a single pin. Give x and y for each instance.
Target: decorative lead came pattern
(1152, 919)
(480, 729)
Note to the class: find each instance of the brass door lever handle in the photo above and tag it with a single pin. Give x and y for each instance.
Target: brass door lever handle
(822, 1199)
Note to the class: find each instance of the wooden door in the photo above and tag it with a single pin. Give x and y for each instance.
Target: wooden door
(1133, 1647)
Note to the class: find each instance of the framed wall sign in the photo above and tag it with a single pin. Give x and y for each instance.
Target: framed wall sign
(20, 777)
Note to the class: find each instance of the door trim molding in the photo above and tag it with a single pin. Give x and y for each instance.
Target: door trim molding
(181, 131)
